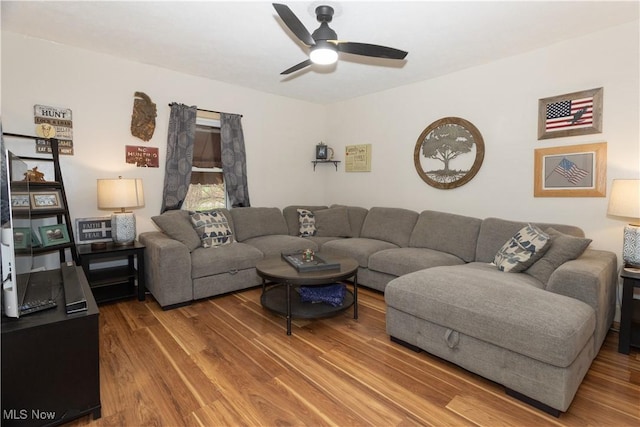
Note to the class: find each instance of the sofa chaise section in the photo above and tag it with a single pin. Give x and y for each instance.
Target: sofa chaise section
(534, 332)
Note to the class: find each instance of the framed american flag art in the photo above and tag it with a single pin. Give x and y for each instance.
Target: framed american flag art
(571, 171)
(578, 113)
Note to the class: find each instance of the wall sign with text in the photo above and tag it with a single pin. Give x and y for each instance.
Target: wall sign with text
(90, 230)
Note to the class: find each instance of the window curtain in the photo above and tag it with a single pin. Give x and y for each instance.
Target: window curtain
(234, 160)
(177, 175)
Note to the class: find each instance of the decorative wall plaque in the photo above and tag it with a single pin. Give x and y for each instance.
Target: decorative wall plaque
(449, 153)
(143, 119)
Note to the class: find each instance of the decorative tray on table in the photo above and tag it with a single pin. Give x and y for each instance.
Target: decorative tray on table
(301, 262)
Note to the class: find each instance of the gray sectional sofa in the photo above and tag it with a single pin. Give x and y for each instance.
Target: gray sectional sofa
(535, 331)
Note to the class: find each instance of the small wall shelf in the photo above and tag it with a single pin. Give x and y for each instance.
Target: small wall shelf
(315, 163)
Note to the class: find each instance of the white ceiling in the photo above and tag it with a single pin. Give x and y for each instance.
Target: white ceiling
(246, 43)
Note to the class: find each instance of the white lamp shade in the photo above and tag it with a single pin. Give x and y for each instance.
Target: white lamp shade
(624, 200)
(120, 193)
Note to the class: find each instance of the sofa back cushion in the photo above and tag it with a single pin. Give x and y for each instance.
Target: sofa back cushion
(446, 232)
(356, 215)
(290, 214)
(332, 222)
(495, 232)
(257, 221)
(177, 225)
(393, 225)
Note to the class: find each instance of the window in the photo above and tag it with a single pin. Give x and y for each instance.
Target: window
(207, 190)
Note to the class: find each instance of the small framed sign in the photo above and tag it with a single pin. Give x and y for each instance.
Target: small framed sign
(93, 230)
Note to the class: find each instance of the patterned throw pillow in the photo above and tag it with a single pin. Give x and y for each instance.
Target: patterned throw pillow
(213, 228)
(307, 221)
(522, 250)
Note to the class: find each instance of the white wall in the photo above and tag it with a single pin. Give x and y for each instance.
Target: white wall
(280, 133)
(501, 100)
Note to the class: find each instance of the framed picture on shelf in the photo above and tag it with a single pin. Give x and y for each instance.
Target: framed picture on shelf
(20, 201)
(50, 199)
(53, 235)
(571, 171)
(577, 113)
(22, 237)
(35, 241)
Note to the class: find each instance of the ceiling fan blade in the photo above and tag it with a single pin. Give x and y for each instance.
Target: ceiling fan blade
(294, 24)
(297, 67)
(374, 50)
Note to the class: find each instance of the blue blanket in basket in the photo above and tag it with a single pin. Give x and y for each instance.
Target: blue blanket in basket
(331, 294)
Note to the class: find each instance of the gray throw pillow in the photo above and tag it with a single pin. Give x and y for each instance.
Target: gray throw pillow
(563, 248)
(177, 225)
(306, 222)
(213, 228)
(333, 222)
(522, 250)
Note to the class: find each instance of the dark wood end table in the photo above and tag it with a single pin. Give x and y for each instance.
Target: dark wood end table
(629, 311)
(118, 282)
(279, 278)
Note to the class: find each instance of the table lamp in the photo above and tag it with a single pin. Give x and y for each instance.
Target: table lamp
(625, 202)
(121, 194)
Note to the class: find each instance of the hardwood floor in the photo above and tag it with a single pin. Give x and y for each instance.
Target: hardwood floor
(227, 361)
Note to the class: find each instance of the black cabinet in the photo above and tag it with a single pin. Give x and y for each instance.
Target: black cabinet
(51, 361)
(115, 271)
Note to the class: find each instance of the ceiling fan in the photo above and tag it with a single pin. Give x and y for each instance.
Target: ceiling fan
(324, 43)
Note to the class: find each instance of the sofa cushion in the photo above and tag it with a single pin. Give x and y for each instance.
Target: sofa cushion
(212, 228)
(332, 222)
(358, 248)
(393, 225)
(177, 225)
(357, 216)
(276, 244)
(224, 259)
(495, 231)
(399, 261)
(522, 250)
(563, 248)
(290, 214)
(258, 221)
(306, 223)
(501, 309)
(450, 233)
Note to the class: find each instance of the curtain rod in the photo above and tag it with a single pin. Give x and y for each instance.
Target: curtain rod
(200, 109)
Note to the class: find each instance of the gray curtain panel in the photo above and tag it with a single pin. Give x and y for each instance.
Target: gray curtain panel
(177, 175)
(234, 160)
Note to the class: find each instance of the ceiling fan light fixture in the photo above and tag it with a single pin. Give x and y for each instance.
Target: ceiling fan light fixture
(324, 54)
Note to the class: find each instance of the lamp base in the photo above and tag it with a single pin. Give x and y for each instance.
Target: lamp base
(123, 228)
(631, 246)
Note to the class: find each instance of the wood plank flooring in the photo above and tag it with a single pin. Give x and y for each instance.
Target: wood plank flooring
(226, 361)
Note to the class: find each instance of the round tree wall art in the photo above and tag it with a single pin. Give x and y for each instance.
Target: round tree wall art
(449, 153)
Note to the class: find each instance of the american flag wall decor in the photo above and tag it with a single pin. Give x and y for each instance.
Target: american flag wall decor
(578, 113)
(571, 171)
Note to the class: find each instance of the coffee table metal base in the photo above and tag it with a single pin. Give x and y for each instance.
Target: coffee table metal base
(283, 299)
(275, 299)
(280, 281)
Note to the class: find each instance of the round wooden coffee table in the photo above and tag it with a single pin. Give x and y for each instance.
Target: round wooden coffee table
(279, 278)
